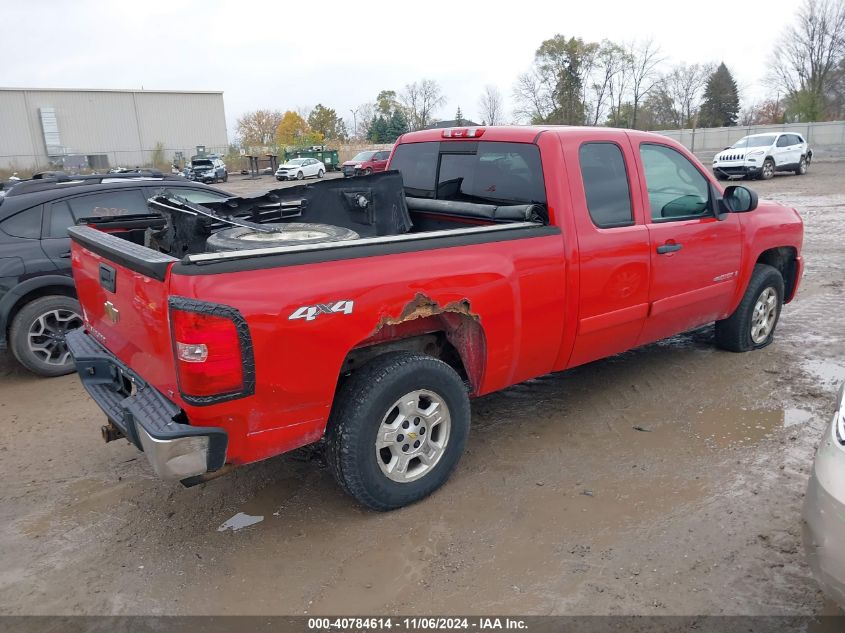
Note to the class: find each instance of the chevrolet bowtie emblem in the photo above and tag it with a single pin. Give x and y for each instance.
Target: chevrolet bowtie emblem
(112, 312)
(412, 436)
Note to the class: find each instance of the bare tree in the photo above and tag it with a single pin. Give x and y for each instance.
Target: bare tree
(643, 61)
(533, 100)
(258, 128)
(812, 48)
(490, 106)
(608, 64)
(420, 100)
(684, 86)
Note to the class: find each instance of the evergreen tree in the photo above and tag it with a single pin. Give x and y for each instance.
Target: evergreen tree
(396, 126)
(721, 100)
(378, 130)
(459, 117)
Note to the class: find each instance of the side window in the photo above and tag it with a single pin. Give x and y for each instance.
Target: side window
(109, 203)
(676, 189)
(783, 140)
(382, 155)
(606, 185)
(60, 219)
(794, 139)
(26, 224)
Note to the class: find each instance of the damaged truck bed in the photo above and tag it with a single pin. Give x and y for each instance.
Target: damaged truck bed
(360, 315)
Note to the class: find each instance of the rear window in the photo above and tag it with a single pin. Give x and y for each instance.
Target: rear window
(25, 224)
(486, 172)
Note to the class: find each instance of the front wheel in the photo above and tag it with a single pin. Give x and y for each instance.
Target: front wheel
(37, 335)
(398, 429)
(300, 175)
(752, 325)
(768, 169)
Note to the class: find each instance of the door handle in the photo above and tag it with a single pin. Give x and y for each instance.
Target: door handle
(668, 248)
(65, 255)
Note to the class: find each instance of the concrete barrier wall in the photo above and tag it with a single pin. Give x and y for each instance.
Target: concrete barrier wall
(827, 139)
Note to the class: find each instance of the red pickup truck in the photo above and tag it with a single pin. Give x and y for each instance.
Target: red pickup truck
(498, 255)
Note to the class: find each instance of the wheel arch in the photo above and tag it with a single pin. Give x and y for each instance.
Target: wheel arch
(784, 259)
(452, 334)
(27, 291)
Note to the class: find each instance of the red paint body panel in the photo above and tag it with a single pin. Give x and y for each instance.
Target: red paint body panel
(541, 303)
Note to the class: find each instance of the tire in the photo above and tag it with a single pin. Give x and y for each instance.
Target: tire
(241, 238)
(737, 332)
(767, 172)
(368, 400)
(802, 166)
(225, 176)
(719, 175)
(320, 174)
(280, 179)
(368, 171)
(300, 175)
(41, 325)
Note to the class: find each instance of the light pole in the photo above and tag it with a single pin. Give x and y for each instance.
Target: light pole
(355, 120)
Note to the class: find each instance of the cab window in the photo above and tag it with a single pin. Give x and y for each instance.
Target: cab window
(676, 189)
(606, 185)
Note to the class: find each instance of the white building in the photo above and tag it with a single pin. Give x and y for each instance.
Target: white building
(41, 129)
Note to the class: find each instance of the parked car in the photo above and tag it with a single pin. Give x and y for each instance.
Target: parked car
(37, 297)
(824, 508)
(299, 168)
(209, 170)
(761, 155)
(365, 163)
(493, 256)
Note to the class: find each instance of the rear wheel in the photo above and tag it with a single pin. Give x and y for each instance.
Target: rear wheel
(321, 173)
(37, 335)
(802, 166)
(752, 325)
(398, 429)
(768, 169)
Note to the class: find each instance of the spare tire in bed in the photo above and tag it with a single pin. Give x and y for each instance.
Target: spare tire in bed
(289, 234)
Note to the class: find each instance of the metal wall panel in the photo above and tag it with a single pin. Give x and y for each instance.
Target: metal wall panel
(124, 125)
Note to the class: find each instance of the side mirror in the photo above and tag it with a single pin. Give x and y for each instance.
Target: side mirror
(738, 199)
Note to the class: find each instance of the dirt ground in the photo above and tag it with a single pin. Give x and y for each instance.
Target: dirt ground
(559, 506)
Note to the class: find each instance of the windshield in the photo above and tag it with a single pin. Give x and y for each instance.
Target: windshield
(364, 156)
(754, 141)
(201, 164)
(486, 172)
(297, 161)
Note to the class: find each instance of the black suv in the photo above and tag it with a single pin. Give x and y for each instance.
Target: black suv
(37, 296)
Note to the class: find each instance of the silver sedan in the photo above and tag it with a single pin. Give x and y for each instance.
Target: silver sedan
(824, 509)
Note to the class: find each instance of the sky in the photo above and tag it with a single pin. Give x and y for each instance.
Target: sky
(289, 55)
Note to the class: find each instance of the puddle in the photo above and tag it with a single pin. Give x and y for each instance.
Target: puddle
(731, 427)
(792, 417)
(827, 370)
(240, 521)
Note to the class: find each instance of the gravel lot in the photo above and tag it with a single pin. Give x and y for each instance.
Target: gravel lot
(559, 506)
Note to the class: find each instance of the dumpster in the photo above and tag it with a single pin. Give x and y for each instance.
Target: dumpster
(328, 157)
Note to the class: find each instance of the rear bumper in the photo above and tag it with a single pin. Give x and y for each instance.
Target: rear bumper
(176, 451)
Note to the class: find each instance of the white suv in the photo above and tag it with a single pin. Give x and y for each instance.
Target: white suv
(761, 155)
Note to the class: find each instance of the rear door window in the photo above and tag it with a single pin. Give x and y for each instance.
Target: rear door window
(483, 172)
(606, 185)
(108, 204)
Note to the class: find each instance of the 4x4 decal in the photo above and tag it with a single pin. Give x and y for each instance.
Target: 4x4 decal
(309, 313)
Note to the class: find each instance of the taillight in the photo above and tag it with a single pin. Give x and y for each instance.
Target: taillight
(462, 132)
(209, 351)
